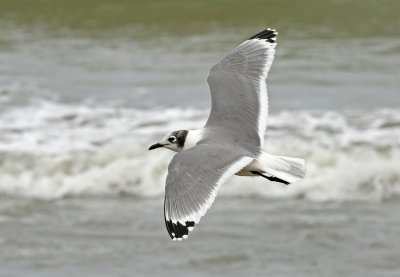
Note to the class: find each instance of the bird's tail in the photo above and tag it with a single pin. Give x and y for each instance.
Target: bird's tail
(282, 169)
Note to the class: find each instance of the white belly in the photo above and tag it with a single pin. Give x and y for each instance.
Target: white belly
(287, 169)
(253, 166)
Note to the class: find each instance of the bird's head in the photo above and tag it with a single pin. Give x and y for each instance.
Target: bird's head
(173, 140)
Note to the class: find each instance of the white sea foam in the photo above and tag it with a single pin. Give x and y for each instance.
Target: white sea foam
(50, 149)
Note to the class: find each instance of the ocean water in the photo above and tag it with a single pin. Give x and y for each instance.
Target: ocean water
(81, 101)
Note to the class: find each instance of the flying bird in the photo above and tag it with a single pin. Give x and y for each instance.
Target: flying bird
(231, 141)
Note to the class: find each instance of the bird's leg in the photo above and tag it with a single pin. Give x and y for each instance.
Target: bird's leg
(272, 178)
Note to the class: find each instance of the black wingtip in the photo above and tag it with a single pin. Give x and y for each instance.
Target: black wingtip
(268, 34)
(178, 231)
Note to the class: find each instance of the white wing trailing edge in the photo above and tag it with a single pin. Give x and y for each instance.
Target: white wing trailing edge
(194, 178)
(239, 90)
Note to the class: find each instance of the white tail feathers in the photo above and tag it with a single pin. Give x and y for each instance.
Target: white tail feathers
(285, 168)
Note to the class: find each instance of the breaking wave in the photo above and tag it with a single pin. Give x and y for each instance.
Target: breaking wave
(50, 150)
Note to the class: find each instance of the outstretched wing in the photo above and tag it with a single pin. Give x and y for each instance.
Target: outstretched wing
(194, 177)
(239, 91)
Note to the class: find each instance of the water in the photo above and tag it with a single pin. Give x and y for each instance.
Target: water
(98, 237)
(81, 101)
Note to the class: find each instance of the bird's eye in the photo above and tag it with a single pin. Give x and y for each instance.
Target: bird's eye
(172, 139)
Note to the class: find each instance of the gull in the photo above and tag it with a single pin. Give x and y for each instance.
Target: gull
(231, 141)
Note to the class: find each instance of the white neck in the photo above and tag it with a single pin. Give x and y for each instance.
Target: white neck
(192, 138)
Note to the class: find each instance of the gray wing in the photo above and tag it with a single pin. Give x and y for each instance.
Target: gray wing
(239, 91)
(194, 177)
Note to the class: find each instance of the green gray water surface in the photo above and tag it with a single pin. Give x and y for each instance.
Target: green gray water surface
(309, 18)
(239, 237)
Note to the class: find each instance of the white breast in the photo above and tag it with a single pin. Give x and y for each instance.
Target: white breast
(192, 138)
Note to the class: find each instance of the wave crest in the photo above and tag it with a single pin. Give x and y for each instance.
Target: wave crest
(51, 150)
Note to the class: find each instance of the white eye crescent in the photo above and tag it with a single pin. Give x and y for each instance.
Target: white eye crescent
(172, 139)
